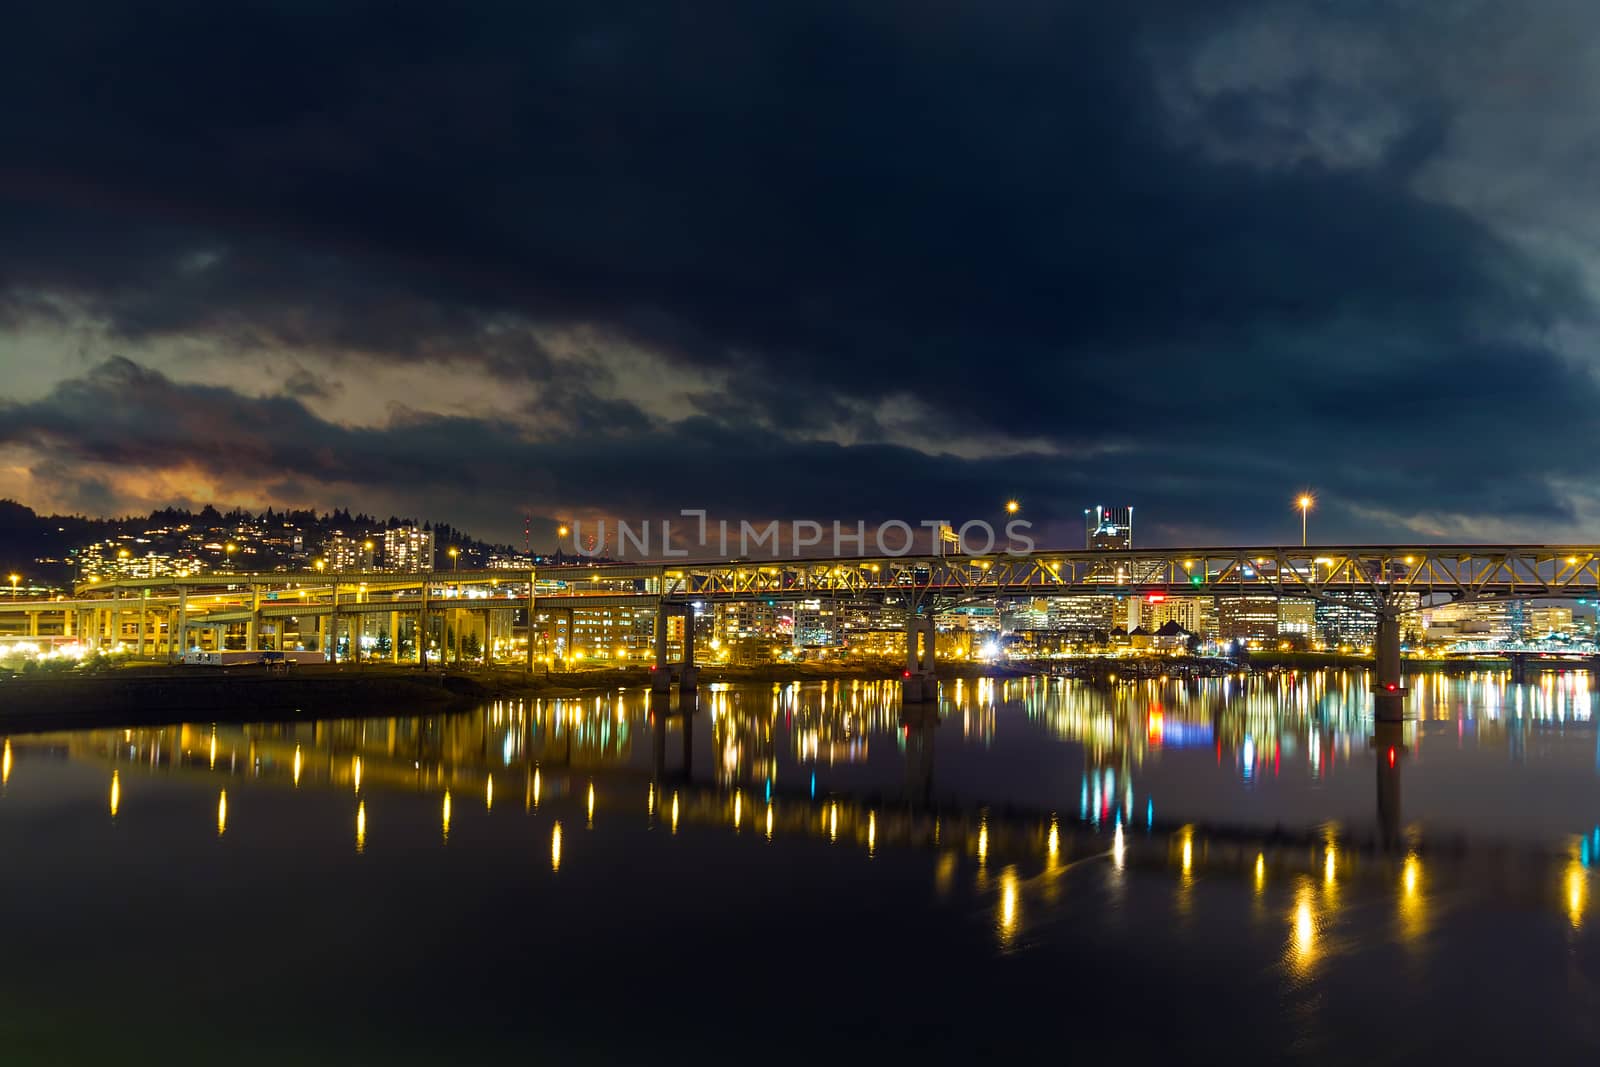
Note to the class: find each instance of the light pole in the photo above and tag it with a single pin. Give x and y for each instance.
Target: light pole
(455, 554)
(14, 578)
(227, 554)
(1304, 504)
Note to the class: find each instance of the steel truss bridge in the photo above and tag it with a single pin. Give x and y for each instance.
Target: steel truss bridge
(1373, 579)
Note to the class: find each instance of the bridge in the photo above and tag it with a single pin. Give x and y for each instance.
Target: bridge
(1382, 581)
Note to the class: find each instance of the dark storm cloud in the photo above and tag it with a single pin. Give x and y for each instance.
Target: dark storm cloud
(1029, 219)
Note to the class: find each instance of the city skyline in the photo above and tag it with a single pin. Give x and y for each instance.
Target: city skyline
(1192, 264)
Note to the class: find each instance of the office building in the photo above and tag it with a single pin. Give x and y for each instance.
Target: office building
(1251, 618)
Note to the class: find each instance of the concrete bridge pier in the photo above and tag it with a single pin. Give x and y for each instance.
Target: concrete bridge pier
(689, 674)
(660, 673)
(423, 627)
(1388, 692)
(1519, 668)
(921, 683)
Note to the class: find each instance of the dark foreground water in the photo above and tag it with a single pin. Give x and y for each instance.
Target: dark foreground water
(1223, 870)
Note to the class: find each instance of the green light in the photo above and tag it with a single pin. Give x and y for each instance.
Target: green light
(1196, 580)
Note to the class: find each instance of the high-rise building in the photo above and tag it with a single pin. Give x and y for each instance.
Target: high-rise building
(1348, 618)
(1108, 528)
(348, 552)
(1247, 617)
(408, 550)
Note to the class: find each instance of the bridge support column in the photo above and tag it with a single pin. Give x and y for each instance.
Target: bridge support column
(394, 637)
(422, 628)
(1388, 692)
(1519, 669)
(661, 674)
(533, 624)
(183, 624)
(689, 676)
(921, 684)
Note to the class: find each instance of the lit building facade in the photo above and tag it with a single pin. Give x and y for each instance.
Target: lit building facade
(348, 552)
(408, 550)
(1248, 617)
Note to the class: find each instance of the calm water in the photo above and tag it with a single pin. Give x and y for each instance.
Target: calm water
(1228, 869)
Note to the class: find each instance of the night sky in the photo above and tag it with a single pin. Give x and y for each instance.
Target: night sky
(856, 260)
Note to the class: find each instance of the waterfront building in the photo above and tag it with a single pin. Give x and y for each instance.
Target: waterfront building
(1297, 618)
(1093, 613)
(1248, 617)
(1541, 622)
(1193, 613)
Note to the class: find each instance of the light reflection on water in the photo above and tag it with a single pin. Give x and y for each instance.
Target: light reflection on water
(1217, 770)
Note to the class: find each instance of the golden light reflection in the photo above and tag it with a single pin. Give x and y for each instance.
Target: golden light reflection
(1329, 866)
(555, 846)
(769, 820)
(738, 808)
(116, 792)
(297, 763)
(650, 803)
(983, 841)
(446, 815)
(536, 789)
(833, 822)
(1188, 853)
(222, 813)
(1261, 871)
(213, 750)
(488, 793)
(591, 805)
(674, 811)
(1577, 892)
(361, 826)
(1119, 848)
(1052, 843)
(872, 832)
(1008, 904)
(1413, 904)
(1305, 931)
(5, 764)
(355, 771)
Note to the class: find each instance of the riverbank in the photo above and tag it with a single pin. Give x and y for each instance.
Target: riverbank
(147, 695)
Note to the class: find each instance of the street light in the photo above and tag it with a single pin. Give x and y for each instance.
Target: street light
(1012, 507)
(15, 578)
(455, 554)
(561, 531)
(1304, 504)
(321, 563)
